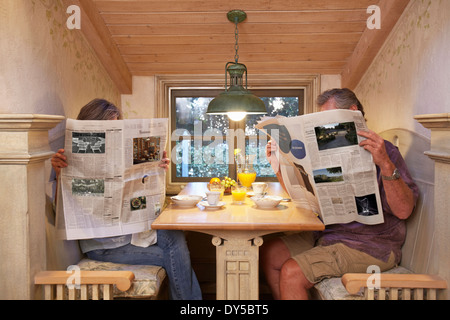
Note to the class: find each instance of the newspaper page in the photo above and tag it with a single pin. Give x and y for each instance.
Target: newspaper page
(113, 185)
(323, 167)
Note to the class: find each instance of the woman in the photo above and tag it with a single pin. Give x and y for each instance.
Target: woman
(170, 251)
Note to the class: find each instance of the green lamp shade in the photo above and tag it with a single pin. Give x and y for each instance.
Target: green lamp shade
(236, 99)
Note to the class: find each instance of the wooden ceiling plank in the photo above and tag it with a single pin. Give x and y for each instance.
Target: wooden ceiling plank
(254, 28)
(175, 18)
(215, 73)
(219, 67)
(220, 5)
(371, 42)
(98, 36)
(243, 39)
(222, 57)
(297, 48)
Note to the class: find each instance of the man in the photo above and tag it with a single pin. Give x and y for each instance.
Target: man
(293, 264)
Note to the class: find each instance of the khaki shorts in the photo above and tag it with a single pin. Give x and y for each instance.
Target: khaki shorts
(320, 262)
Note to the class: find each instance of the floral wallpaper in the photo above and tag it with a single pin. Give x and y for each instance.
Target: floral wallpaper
(409, 75)
(85, 63)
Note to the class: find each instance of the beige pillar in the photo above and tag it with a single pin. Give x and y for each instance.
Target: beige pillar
(24, 148)
(439, 124)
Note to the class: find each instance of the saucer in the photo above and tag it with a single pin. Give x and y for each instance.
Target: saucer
(252, 193)
(212, 206)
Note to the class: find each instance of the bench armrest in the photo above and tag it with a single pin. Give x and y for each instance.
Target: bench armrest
(353, 282)
(122, 279)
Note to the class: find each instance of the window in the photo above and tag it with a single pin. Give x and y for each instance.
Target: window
(203, 145)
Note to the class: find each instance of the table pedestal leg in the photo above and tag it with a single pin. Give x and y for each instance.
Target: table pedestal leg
(237, 267)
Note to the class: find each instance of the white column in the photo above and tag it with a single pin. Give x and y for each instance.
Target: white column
(24, 148)
(439, 124)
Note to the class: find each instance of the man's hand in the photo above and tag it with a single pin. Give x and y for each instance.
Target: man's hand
(375, 145)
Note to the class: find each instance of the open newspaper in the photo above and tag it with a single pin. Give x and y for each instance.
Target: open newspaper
(113, 184)
(323, 167)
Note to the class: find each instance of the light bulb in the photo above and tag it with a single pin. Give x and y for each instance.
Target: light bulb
(236, 116)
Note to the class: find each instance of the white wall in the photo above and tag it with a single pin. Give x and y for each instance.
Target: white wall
(411, 74)
(47, 69)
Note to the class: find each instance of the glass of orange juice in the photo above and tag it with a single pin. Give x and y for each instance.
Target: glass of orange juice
(238, 194)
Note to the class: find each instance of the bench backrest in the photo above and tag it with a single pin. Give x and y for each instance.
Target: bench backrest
(419, 253)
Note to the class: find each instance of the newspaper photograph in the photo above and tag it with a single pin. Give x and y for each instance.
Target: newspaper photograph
(113, 185)
(323, 167)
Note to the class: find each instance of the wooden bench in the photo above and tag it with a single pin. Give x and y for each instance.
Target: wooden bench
(149, 282)
(414, 278)
(146, 282)
(90, 284)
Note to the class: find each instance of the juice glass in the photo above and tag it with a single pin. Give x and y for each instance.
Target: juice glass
(238, 194)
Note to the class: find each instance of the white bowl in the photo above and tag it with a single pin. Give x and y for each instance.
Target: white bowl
(266, 202)
(187, 200)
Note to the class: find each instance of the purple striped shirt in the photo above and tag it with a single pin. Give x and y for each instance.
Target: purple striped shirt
(381, 239)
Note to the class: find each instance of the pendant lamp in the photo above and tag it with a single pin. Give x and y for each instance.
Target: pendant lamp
(236, 101)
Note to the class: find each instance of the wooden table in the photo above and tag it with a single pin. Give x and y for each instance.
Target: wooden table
(237, 231)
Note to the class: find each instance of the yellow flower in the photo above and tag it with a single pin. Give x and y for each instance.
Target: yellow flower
(236, 151)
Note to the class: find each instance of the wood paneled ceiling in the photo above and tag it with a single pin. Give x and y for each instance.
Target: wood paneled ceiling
(149, 37)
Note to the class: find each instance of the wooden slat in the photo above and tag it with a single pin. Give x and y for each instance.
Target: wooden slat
(122, 279)
(274, 66)
(250, 29)
(220, 5)
(221, 58)
(243, 39)
(296, 48)
(286, 16)
(353, 282)
(266, 71)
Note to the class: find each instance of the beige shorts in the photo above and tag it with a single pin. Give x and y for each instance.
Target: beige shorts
(320, 262)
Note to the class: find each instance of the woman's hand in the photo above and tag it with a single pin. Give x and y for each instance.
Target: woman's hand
(59, 161)
(165, 161)
(272, 156)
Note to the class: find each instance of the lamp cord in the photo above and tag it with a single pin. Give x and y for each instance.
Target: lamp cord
(236, 36)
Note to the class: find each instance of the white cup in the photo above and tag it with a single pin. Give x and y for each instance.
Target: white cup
(213, 197)
(259, 188)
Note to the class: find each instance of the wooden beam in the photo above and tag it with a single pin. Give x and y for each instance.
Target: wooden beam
(371, 42)
(98, 36)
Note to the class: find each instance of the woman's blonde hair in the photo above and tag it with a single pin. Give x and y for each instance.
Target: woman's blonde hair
(99, 109)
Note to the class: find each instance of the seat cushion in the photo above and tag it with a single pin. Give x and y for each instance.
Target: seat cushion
(147, 281)
(333, 289)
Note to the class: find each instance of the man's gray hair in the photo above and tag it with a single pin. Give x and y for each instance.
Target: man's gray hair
(344, 98)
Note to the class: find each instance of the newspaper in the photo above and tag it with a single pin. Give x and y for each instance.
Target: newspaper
(323, 167)
(113, 185)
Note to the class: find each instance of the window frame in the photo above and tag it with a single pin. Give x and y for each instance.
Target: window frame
(233, 125)
(165, 84)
